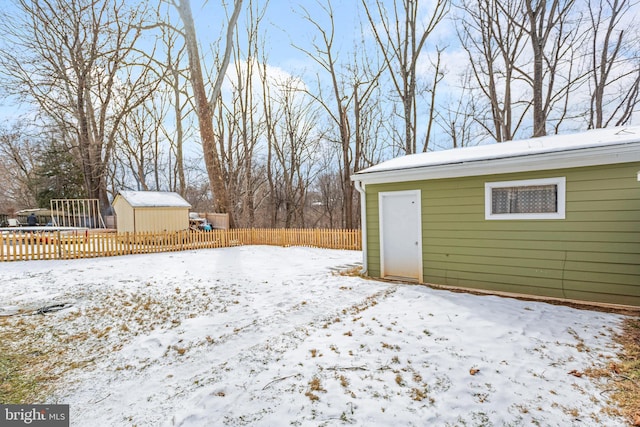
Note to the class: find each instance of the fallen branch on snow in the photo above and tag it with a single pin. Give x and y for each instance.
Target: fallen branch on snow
(42, 310)
(52, 308)
(278, 380)
(348, 368)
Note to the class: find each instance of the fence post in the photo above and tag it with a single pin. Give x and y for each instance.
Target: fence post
(59, 245)
(12, 246)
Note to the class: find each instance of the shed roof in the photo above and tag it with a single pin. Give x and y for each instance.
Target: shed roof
(594, 147)
(139, 199)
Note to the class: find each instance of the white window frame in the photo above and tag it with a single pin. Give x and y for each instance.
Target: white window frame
(560, 182)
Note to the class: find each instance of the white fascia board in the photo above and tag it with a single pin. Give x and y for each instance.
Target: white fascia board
(593, 156)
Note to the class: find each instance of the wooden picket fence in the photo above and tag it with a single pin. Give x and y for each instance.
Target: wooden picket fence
(22, 246)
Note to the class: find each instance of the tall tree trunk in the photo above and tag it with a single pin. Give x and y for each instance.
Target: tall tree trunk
(537, 46)
(179, 131)
(203, 106)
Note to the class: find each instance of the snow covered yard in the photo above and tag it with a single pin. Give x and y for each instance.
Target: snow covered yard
(272, 336)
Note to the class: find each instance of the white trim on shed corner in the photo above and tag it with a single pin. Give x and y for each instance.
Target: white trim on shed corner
(363, 223)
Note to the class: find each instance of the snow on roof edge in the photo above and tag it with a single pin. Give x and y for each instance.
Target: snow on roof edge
(511, 149)
(154, 199)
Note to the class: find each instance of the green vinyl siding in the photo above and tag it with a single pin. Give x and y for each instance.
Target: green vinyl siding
(593, 254)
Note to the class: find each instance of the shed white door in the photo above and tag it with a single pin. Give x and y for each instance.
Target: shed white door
(400, 235)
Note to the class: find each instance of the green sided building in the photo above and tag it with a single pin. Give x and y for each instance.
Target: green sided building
(556, 217)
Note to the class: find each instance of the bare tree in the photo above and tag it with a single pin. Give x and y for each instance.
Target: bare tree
(401, 43)
(17, 167)
(438, 76)
(614, 70)
(494, 44)
(175, 82)
(140, 142)
(551, 37)
(270, 121)
(351, 86)
(77, 61)
(458, 117)
(291, 119)
(240, 118)
(204, 104)
(336, 108)
(524, 57)
(326, 194)
(370, 124)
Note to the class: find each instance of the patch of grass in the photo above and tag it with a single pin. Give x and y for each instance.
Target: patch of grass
(573, 412)
(22, 380)
(624, 376)
(355, 271)
(399, 380)
(344, 382)
(390, 346)
(314, 386)
(418, 394)
(628, 371)
(180, 350)
(39, 352)
(16, 384)
(312, 397)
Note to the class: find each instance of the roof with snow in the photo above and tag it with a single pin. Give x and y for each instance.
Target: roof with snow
(599, 146)
(139, 199)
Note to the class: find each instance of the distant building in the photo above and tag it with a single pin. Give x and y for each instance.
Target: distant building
(150, 211)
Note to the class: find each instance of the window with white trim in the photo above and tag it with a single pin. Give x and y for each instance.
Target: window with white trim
(525, 199)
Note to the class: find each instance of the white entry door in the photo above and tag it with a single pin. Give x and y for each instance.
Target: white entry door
(400, 235)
